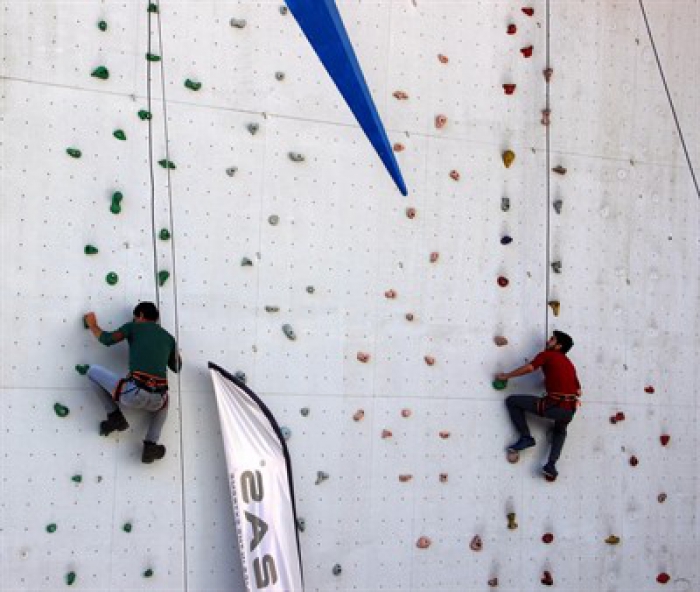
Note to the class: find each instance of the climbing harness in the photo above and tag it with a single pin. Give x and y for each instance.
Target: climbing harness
(144, 381)
(568, 402)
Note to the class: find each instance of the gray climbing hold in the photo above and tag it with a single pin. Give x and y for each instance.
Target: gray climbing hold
(272, 309)
(310, 289)
(240, 376)
(557, 206)
(283, 10)
(505, 204)
(246, 262)
(289, 332)
(337, 570)
(238, 23)
(286, 432)
(279, 76)
(321, 476)
(301, 524)
(296, 157)
(304, 411)
(253, 128)
(274, 220)
(231, 171)
(556, 266)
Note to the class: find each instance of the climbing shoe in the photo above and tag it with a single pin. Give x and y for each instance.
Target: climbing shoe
(522, 444)
(152, 451)
(550, 471)
(115, 421)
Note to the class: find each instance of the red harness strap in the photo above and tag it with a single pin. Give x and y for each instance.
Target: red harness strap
(568, 402)
(149, 382)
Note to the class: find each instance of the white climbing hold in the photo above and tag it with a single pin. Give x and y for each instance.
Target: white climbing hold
(231, 171)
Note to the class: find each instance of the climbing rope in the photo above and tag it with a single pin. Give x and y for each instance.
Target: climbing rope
(548, 183)
(157, 11)
(670, 99)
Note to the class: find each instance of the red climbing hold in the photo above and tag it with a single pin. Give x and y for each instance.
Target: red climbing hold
(405, 413)
(443, 58)
(390, 294)
(509, 89)
(512, 29)
(529, 11)
(443, 477)
(363, 357)
(454, 175)
(547, 538)
(619, 416)
(423, 542)
(502, 281)
(493, 582)
(476, 544)
(444, 435)
(430, 360)
(400, 95)
(440, 121)
(359, 414)
(663, 578)
(634, 461)
(649, 389)
(410, 213)
(526, 51)
(434, 256)
(386, 434)
(398, 147)
(405, 478)
(547, 579)
(665, 438)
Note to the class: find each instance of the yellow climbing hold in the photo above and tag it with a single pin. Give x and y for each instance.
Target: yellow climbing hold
(555, 305)
(612, 540)
(508, 158)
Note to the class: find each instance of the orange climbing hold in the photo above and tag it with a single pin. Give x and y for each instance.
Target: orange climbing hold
(386, 434)
(400, 95)
(443, 59)
(390, 294)
(476, 543)
(359, 415)
(444, 434)
(406, 413)
(434, 256)
(423, 542)
(399, 147)
(508, 158)
(440, 121)
(410, 213)
(405, 478)
(500, 341)
(527, 51)
(509, 89)
(454, 175)
(430, 360)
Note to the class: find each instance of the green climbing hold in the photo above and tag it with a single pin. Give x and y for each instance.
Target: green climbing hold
(112, 278)
(192, 84)
(119, 134)
(167, 164)
(102, 73)
(499, 385)
(77, 478)
(127, 527)
(164, 234)
(102, 25)
(51, 528)
(151, 57)
(74, 152)
(163, 277)
(148, 573)
(116, 206)
(91, 250)
(82, 368)
(153, 7)
(144, 115)
(70, 578)
(61, 410)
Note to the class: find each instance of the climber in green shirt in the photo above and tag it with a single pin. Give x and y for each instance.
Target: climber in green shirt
(152, 350)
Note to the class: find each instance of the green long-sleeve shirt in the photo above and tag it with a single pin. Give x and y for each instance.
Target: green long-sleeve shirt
(151, 348)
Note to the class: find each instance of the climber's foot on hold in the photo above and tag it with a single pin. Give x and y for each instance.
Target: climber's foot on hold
(523, 443)
(152, 451)
(550, 472)
(115, 422)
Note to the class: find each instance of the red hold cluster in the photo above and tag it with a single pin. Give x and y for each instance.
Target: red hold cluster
(619, 416)
(526, 51)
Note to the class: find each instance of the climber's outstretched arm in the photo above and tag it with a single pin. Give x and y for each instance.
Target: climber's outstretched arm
(104, 337)
(526, 369)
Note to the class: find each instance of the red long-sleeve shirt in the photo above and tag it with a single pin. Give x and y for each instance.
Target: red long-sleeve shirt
(559, 372)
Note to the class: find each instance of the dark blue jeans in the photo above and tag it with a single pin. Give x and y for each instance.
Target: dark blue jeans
(519, 404)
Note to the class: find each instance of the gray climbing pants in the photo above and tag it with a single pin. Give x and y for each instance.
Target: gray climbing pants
(519, 404)
(131, 397)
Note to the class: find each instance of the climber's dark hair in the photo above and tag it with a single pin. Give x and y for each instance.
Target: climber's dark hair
(148, 310)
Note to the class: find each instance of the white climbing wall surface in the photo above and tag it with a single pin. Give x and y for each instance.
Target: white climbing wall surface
(412, 438)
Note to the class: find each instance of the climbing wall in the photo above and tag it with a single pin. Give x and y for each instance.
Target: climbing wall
(549, 188)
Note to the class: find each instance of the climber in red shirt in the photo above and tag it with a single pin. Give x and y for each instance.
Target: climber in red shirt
(559, 402)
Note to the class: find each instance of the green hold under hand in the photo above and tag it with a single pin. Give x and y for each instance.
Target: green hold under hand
(193, 84)
(102, 73)
(61, 410)
(499, 385)
(119, 134)
(91, 250)
(167, 164)
(74, 152)
(164, 234)
(163, 277)
(82, 368)
(116, 206)
(112, 278)
(145, 115)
